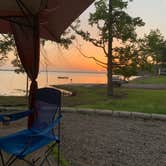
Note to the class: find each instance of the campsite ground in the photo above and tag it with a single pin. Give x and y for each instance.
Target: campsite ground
(99, 140)
(93, 140)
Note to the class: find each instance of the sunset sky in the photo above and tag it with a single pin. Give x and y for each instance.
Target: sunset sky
(151, 11)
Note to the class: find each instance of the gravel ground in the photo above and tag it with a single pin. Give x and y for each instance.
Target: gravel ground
(98, 140)
(93, 140)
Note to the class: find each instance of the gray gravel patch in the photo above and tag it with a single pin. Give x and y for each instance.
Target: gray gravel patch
(94, 140)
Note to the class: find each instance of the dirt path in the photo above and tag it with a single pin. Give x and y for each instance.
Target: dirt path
(98, 140)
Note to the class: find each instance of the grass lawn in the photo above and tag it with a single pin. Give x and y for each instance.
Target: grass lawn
(150, 80)
(134, 100)
(10, 101)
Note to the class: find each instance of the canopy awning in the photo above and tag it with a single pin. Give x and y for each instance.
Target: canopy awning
(30, 20)
(54, 15)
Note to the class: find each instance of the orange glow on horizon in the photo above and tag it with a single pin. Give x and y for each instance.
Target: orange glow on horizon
(57, 58)
(71, 59)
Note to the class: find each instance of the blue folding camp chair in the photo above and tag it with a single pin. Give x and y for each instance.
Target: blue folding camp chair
(47, 117)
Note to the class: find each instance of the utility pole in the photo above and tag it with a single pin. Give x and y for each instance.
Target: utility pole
(27, 86)
(110, 91)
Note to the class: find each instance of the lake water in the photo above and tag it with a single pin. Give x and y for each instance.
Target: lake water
(15, 84)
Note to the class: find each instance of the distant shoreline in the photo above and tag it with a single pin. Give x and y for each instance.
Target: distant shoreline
(6, 69)
(63, 71)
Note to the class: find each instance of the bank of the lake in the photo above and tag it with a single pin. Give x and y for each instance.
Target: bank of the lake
(132, 100)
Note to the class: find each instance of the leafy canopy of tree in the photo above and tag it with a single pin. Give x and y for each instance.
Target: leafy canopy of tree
(153, 46)
(123, 25)
(123, 29)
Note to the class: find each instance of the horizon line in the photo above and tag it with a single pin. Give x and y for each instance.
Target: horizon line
(63, 70)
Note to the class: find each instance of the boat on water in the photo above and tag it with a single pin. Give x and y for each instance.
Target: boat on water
(63, 77)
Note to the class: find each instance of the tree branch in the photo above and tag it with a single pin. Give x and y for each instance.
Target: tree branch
(90, 57)
(86, 37)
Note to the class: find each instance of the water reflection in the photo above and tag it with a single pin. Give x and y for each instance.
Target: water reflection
(15, 84)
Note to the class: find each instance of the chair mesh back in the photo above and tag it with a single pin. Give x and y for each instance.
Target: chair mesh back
(47, 104)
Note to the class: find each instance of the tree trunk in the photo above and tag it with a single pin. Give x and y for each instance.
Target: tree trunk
(110, 57)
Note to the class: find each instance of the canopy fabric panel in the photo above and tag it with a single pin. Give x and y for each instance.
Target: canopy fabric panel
(30, 20)
(12, 7)
(28, 46)
(27, 42)
(54, 15)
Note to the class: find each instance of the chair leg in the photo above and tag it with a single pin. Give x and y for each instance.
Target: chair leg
(2, 158)
(28, 162)
(9, 162)
(12, 159)
(48, 162)
(47, 154)
(59, 135)
(58, 162)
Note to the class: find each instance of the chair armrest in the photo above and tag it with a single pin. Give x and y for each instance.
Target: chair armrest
(44, 131)
(15, 116)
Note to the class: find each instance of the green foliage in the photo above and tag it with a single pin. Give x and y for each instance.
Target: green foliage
(6, 45)
(123, 30)
(16, 63)
(123, 27)
(154, 42)
(131, 60)
(8, 101)
(154, 45)
(66, 39)
(127, 61)
(126, 71)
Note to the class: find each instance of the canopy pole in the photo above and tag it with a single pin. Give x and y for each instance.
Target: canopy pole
(27, 85)
(35, 70)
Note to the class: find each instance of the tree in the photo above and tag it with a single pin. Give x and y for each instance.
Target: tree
(7, 44)
(122, 28)
(126, 60)
(131, 60)
(153, 45)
